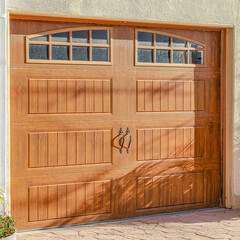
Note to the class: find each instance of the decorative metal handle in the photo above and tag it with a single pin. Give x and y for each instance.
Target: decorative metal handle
(130, 139)
(122, 135)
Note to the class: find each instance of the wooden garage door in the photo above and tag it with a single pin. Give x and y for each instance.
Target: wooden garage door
(74, 87)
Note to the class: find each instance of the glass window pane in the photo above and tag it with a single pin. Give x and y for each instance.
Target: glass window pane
(100, 54)
(40, 38)
(60, 52)
(145, 55)
(179, 56)
(100, 36)
(163, 41)
(38, 51)
(80, 53)
(193, 45)
(60, 37)
(196, 57)
(179, 43)
(80, 36)
(145, 39)
(163, 56)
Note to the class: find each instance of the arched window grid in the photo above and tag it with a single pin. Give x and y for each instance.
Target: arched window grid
(62, 46)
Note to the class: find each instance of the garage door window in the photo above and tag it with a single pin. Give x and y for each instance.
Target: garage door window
(155, 48)
(75, 46)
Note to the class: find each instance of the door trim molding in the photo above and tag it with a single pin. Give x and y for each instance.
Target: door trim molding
(227, 116)
(27, 15)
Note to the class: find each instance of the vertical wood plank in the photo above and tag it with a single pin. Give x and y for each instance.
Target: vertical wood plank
(106, 197)
(98, 147)
(33, 96)
(156, 96)
(148, 144)
(52, 149)
(42, 96)
(187, 142)
(164, 96)
(42, 199)
(141, 144)
(98, 93)
(62, 148)
(148, 193)
(52, 96)
(200, 142)
(52, 202)
(81, 147)
(43, 149)
(98, 197)
(90, 197)
(172, 96)
(90, 147)
(107, 146)
(172, 143)
(164, 143)
(179, 96)
(140, 193)
(140, 96)
(71, 200)
(148, 92)
(199, 89)
(199, 187)
(33, 203)
(71, 148)
(177, 193)
(90, 96)
(164, 191)
(81, 95)
(187, 188)
(71, 96)
(156, 139)
(62, 96)
(81, 199)
(156, 191)
(193, 97)
(33, 150)
(62, 201)
(192, 147)
(187, 96)
(179, 143)
(107, 96)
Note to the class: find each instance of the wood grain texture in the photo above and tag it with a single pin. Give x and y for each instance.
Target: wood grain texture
(52, 96)
(170, 96)
(65, 120)
(68, 200)
(51, 149)
(170, 143)
(170, 190)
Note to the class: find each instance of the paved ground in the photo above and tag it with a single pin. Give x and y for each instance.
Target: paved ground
(206, 224)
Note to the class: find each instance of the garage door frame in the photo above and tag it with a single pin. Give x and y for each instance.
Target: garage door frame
(226, 85)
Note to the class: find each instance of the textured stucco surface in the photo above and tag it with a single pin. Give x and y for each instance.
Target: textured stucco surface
(170, 11)
(204, 11)
(3, 99)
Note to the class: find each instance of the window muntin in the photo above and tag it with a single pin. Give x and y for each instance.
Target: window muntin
(72, 46)
(155, 48)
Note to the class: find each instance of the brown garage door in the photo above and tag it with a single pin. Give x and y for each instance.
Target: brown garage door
(74, 87)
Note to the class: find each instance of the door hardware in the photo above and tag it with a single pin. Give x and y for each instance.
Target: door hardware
(120, 132)
(130, 138)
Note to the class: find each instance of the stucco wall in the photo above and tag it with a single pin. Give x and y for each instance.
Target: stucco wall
(170, 11)
(4, 175)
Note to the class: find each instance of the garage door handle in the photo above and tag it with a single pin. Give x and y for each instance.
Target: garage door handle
(130, 139)
(122, 136)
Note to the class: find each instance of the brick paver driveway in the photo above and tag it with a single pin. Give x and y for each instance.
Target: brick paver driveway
(204, 224)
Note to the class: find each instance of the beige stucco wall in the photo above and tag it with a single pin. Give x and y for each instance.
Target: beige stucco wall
(195, 12)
